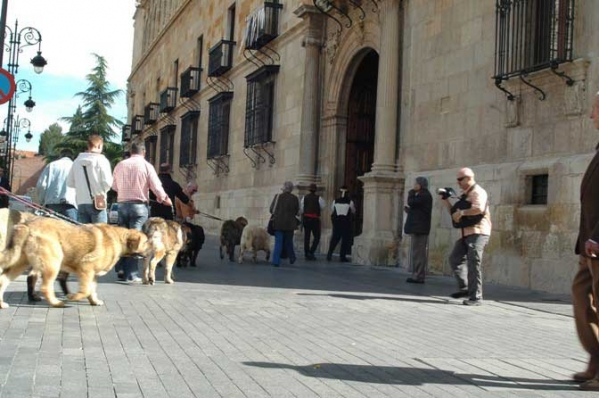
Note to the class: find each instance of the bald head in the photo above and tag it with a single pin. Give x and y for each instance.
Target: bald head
(465, 172)
(465, 178)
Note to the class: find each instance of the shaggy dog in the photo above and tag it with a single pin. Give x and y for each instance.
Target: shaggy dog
(230, 236)
(48, 246)
(254, 238)
(193, 244)
(165, 239)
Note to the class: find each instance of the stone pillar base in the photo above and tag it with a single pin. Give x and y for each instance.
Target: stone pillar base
(379, 242)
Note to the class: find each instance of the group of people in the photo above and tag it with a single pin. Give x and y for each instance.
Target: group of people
(288, 212)
(78, 188)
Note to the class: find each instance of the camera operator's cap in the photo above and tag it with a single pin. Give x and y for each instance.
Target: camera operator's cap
(312, 187)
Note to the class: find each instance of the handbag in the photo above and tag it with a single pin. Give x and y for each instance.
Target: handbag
(99, 200)
(270, 227)
(463, 204)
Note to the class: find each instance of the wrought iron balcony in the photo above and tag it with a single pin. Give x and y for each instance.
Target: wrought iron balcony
(168, 99)
(263, 25)
(220, 58)
(151, 113)
(126, 132)
(190, 82)
(137, 125)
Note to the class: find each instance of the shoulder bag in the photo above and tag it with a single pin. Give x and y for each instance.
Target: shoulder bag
(99, 200)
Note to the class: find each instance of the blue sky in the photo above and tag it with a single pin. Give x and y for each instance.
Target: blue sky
(71, 31)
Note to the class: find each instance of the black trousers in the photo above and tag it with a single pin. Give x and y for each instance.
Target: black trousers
(311, 228)
(341, 232)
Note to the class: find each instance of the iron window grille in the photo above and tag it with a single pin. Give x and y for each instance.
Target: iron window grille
(167, 143)
(151, 113)
(262, 26)
(189, 139)
(126, 130)
(532, 35)
(259, 105)
(138, 124)
(220, 58)
(540, 184)
(218, 124)
(190, 82)
(168, 99)
(151, 149)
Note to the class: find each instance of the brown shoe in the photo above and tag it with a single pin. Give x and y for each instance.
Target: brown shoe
(590, 385)
(581, 377)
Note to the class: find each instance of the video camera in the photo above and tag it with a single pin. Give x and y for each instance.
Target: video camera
(446, 192)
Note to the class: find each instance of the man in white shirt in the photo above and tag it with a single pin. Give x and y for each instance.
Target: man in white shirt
(52, 190)
(343, 210)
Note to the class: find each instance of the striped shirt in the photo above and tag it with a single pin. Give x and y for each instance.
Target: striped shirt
(133, 179)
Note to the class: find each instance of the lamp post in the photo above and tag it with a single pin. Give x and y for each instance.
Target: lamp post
(18, 123)
(18, 40)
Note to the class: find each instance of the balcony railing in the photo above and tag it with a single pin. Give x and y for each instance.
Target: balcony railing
(151, 113)
(126, 130)
(262, 25)
(190, 82)
(137, 125)
(168, 99)
(220, 58)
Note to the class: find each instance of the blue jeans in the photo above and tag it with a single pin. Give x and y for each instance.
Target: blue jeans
(131, 215)
(88, 214)
(283, 237)
(64, 209)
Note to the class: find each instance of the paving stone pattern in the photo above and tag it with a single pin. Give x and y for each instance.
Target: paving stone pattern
(308, 330)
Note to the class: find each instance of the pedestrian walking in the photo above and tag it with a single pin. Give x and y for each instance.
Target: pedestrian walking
(133, 179)
(418, 226)
(284, 209)
(471, 215)
(343, 209)
(91, 176)
(52, 190)
(6, 185)
(172, 189)
(585, 287)
(311, 207)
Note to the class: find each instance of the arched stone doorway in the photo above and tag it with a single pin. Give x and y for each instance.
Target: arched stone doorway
(361, 117)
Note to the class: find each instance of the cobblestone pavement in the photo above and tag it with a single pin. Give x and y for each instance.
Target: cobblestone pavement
(307, 330)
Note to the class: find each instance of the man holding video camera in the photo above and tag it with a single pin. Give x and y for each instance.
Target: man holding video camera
(470, 214)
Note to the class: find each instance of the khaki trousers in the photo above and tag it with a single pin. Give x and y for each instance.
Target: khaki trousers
(585, 294)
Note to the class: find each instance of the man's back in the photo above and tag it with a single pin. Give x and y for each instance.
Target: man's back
(51, 187)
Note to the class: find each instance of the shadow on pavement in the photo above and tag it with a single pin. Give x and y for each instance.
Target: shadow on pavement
(363, 297)
(416, 376)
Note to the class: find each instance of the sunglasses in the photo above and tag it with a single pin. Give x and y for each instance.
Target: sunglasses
(461, 178)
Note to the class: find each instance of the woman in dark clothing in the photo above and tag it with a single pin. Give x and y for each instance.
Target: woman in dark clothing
(418, 225)
(284, 209)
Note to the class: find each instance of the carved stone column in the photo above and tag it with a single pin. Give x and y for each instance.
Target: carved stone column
(310, 118)
(378, 243)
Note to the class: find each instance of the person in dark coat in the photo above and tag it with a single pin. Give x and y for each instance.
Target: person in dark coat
(284, 209)
(418, 226)
(343, 209)
(311, 206)
(172, 189)
(4, 184)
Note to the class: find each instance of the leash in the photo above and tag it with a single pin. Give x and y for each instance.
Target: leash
(39, 210)
(210, 216)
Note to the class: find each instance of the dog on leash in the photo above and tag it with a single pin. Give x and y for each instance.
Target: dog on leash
(254, 238)
(49, 245)
(230, 236)
(195, 238)
(165, 240)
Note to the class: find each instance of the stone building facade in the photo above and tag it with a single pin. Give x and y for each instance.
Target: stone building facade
(371, 94)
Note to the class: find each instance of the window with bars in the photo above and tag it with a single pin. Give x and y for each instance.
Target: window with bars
(167, 144)
(218, 124)
(532, 35)
(538, 188)
(189, 139)
(151, 149)
(259, 105)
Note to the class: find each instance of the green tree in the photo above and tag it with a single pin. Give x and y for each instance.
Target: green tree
(49, 139)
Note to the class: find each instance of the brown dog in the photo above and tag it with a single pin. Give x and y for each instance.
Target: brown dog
(165, 239)
(230, 236)
(49, 245)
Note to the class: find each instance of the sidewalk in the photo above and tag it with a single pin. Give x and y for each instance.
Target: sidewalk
(313, 329)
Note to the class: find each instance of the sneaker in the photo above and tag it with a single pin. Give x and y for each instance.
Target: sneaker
(292, 260)
(135, 279)
(583, 376)
(460, 294)
(120, 276)
(412, 280)
(473, 302)
(590, 385)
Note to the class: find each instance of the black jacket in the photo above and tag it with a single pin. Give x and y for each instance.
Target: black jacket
(419, 212)
(284, 215)
(172, 189)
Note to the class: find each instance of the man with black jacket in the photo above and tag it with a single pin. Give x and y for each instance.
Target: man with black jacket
(418, 226)
(343, 209)
(311, 206)
(172, 189)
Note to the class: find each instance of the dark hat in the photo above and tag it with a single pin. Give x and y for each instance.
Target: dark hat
(343, 188)
(312, 187)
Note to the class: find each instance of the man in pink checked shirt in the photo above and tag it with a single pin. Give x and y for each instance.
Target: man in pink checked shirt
(132, 180)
